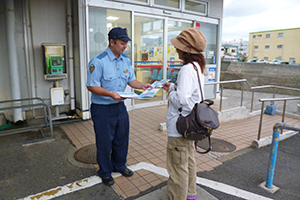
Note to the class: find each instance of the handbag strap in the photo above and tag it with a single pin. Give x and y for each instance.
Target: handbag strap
(207, 150)
(198, 80)
(180, 109)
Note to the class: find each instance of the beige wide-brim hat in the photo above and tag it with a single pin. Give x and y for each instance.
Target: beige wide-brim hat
(190, 40)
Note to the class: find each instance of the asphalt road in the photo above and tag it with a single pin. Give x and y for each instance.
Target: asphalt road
(249, 170)
(28, 170)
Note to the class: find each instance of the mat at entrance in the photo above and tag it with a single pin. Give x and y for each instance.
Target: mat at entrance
(86, 154)
(217, 145)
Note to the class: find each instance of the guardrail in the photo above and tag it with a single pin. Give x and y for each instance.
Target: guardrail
(271, 168)
(269, 86)
(252, 89)
(262, 110)
(47, 118)
(243, 81)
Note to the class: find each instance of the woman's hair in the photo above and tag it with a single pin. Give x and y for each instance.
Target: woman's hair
(188, 57)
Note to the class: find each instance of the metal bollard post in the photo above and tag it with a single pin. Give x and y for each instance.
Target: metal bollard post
(268, 184)
(273, 156)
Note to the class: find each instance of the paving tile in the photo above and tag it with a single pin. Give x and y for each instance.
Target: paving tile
(156, 182)
(121, 179)
(139, 181)
(150, 177)
(148, 144)
(133, 192)
(143, 172)
(144, 187)
(126, 186)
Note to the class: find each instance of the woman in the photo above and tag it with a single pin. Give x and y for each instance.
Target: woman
(181, 163)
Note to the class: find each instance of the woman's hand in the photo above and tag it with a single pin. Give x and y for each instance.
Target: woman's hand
(166, 86)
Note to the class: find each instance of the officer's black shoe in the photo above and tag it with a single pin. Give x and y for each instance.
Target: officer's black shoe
(109, 181)
(126, 172)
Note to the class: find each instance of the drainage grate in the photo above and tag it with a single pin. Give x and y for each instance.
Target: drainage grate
(217, 145)
(87, 154)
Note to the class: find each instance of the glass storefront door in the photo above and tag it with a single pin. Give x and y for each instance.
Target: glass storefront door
(154, 57)
(101, 21)
(174, 63)
(148, 53)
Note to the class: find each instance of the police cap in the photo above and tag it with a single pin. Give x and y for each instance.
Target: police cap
(118, 33)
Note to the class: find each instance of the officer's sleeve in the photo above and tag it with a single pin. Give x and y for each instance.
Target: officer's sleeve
(94, 74)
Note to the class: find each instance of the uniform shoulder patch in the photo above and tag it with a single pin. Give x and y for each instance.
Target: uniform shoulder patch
(102, 55)
(92, 68)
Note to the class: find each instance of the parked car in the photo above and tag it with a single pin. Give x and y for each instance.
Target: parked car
(261, 61)
(229, 58)
(292, 63)
(281, 62)
(252, 60)
(274, 62)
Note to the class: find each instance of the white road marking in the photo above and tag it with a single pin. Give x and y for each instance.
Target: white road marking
(93, 180)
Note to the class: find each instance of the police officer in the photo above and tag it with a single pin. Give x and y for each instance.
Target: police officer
(109, 73)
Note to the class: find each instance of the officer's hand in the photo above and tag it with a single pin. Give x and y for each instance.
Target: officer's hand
(166, 86)
(146, 85)
(116, 96)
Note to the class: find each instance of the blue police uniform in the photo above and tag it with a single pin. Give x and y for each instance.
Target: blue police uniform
(110, 117)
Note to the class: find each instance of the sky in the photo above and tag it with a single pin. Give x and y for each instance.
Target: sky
(240, 17)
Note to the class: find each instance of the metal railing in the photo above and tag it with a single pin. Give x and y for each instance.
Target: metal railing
(17, 104)
(243, 81)
(262, 110)
(252, 89)
(270, 86)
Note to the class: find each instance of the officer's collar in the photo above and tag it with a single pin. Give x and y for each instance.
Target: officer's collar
(112, 56)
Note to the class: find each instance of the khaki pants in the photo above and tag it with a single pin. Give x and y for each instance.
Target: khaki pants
(181, 166)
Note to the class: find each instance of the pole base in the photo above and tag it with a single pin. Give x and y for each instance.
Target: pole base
(271, 190)
(59, 117)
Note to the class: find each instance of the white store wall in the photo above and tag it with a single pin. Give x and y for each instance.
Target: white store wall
(44, 21)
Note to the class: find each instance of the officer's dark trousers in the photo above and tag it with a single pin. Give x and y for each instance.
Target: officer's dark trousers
(111, 125)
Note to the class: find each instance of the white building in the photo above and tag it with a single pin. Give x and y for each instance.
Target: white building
(49, 43)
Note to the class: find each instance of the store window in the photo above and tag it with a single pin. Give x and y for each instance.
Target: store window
(174, 63)
(148, 53)
(132, 1)
(196, 6)
(210, 31)
(101, 21)
(292, 60)
(168, 3)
